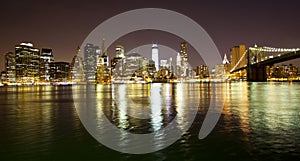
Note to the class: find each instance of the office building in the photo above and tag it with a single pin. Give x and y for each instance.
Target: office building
(155, 56)
(164, 63)
(202, 71)
(77, 69)
(236, 53)
(120, 54)
(184, 68)
(103, 75)
(91, 55)
(104, 55)
(183, 52)
(10, 67)
(45, 59)
(27, 63)
(59, 71)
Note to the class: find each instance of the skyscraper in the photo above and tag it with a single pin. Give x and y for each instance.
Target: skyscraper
(10, 67)
(236, 53)
(202, 71)
(171, 65)
(116, 62)
(91, 55)
(164, 63)
(76, 69)
(104, 55)
(178, 60)
(183, 52)
(155, 56)
(45, 59)
(59, 71)
(225, 60)
(103, 73)
(184, 59)
(120, 52)
(27, 63)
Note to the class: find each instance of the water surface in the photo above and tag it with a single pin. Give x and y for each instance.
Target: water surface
(259, 121)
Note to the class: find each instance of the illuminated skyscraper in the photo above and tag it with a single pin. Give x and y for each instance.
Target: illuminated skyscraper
(45, 59)
(171, 65)
(103, 73)
(120, 52)
(183, 52)
(59, 71)
(119, 56)
(184, 59)
(136, 65)
(3, 77)
(236, 55)
(76, 69)
(10, 67)
(155, 56)
(178, 60)
(104, 55)
(164, 63)
(91, 55)
(202, 71)
(225, 60)
(27, 63)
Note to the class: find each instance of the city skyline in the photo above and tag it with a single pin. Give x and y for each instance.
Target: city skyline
(228, 23)
(30, 65)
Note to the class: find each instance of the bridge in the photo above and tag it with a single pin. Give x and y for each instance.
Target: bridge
(258, 58)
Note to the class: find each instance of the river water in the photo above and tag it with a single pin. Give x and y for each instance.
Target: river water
(259, 121)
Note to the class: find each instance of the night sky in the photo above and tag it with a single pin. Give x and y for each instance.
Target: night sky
(63, 25)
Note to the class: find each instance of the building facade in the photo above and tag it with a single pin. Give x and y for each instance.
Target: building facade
(120, 54)
(59, 71)
(202, 71)
(91, 55)
(236, 54)
(184, 69)
(155, 56)
(10, 68)
(45, 59)
(27, 63)
(77, 74)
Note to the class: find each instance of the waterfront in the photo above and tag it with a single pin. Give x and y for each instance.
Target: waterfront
(260, 121)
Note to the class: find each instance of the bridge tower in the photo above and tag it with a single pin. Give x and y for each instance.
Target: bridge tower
(256, 54)
(256, 72)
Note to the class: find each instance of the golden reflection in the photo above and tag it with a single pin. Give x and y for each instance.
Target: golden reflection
(35, 111)
(244, 112)
(237, 104)
(156, 106)
(123, 118)
(179, 101)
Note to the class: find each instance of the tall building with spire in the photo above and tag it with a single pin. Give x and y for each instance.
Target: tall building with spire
(155, 56)
(104, 55)
(225, 60)
(103, 75)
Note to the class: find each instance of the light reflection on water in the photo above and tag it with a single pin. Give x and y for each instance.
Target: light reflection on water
(260, 121)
